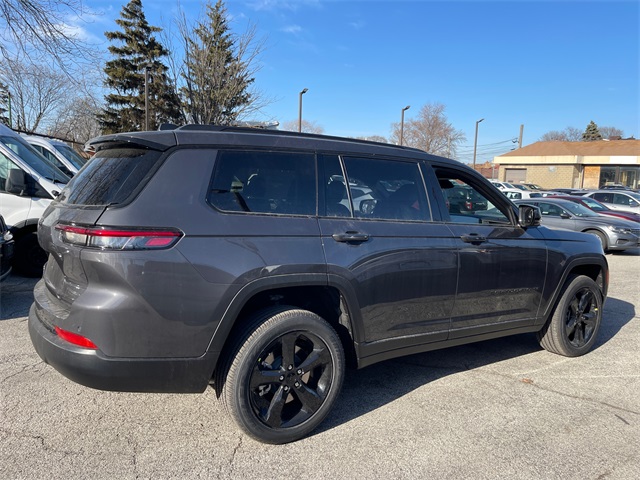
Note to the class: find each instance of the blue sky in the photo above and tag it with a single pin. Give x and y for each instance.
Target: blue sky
(545, 64)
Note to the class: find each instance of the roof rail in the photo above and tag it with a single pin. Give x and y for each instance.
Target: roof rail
(270, 131)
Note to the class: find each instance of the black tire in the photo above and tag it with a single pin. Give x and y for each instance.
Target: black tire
(601, 236)
(572, 329)
(29, 257)
(283, 374)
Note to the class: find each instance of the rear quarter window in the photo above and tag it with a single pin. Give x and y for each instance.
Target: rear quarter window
(111, 177)
(264, 182)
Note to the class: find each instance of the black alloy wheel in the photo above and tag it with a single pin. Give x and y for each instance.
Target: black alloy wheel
(291, 380)
(572, 328)
(581, 318)
(282, 375)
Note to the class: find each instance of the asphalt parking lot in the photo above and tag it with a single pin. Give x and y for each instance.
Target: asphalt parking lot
(497, 409)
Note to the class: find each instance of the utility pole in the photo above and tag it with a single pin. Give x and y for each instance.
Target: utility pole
(520, 137)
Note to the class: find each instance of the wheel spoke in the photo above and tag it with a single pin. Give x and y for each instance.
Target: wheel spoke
(288, 345)
(263, 377)
(319, 356)
(273, 417)
(310, 399)
(574, 306)
(571, 325)
(585, 301)
(578, 339)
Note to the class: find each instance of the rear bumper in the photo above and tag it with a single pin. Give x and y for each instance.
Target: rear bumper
(93, 369)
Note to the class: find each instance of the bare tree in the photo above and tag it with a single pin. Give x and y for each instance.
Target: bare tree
(610, 132)
(569, 134)
(308, 126)
(77, 120)
(39, 29)
(429, 131)
(36, 93)
(219, 68)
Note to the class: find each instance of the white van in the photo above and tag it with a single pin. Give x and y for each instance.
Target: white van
(28, 184)
(59, 153)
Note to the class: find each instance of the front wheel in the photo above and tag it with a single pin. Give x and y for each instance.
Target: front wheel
(283, 376)
(572, 329)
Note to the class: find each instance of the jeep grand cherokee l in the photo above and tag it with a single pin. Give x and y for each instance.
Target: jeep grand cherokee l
(233, 258)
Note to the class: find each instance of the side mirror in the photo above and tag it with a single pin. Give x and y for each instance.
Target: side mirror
(16, 182)
(565, 215)
(529, 215)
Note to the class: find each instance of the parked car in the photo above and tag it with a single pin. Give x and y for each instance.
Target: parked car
(169, 272)
(462, 198)
(614, 233)
(6, 250)
(59, 153)
(601, 208)
(517, 194)
(28, 183)
(501, 185)
(533, 186)
(572, 191)
(618, 199)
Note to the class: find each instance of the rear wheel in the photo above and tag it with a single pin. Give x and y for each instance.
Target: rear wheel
(572, 329)
(283, 375)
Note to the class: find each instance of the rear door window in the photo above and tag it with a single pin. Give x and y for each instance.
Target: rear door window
(113, 177)
(383, 190)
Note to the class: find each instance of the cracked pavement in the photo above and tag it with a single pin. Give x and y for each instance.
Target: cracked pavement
(497, 409)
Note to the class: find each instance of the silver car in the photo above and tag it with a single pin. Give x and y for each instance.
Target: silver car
(624, 200)
(614, 233)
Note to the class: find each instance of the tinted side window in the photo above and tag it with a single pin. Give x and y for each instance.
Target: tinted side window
(112, 177)
(602, 197)
(264, 182)
(336, 196)
(465, 199)
(550, 209)
(386, 189)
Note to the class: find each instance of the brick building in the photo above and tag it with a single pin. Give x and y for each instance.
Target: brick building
(573, 164)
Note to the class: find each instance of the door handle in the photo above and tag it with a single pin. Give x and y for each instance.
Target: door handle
(473, 238)
(350, 237)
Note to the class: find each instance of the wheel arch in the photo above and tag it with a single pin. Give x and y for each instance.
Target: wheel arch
(312, 292)
(594, 267)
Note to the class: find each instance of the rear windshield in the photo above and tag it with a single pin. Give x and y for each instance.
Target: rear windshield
(111, 177)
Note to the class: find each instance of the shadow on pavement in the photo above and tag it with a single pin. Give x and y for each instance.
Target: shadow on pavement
(370, 388)
(16, 296)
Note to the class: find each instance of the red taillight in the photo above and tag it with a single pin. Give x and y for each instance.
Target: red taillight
(117, 239)
(75, 339)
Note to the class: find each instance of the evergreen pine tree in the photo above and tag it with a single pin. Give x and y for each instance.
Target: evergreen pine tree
(216, 78)
(135, 51)
(591, 133)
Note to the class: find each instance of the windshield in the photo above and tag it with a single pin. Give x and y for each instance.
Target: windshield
(594, 205)
(71, 155)
(31, 157)
(579, 210)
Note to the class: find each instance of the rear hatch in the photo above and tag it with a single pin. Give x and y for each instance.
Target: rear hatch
(113, 177)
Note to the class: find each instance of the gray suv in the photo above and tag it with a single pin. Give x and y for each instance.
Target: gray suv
(246, 260)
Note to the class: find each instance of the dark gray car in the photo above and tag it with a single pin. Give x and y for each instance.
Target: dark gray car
(234, 258)
(614, 233)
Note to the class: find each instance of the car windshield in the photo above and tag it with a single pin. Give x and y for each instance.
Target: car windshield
(579, 210)
(31, 157)
(594, 205)
(71, 155)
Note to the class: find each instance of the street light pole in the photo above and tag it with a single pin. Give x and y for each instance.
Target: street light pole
(475, 144)
(305, 90)
(402, 123)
